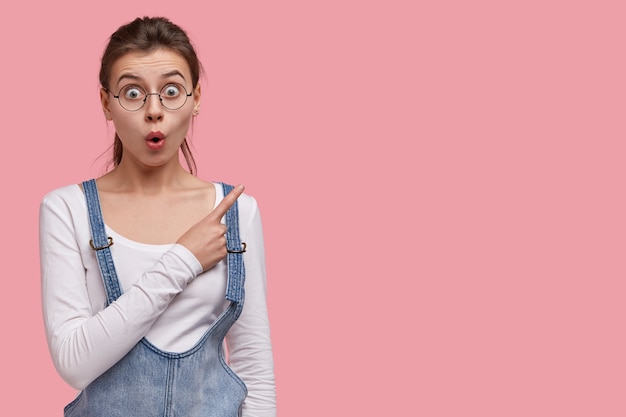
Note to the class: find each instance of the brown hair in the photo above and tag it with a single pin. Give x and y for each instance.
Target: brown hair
(147, 34)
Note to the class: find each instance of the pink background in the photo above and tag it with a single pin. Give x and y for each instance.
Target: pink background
(441, 186)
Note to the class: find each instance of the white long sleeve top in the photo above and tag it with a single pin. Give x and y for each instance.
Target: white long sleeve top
(166, 298)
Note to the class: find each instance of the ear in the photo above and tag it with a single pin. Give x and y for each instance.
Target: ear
(196, 100)
(105, 100)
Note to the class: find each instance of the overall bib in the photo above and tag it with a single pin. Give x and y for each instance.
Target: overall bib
(149, 382)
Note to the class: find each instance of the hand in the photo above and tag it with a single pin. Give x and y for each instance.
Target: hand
(206, 239)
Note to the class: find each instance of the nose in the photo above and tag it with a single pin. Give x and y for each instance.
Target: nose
(154, 109)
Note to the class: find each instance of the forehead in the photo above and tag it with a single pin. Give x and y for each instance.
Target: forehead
(150, 66)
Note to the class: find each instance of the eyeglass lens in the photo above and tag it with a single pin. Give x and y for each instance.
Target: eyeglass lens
(173, 96)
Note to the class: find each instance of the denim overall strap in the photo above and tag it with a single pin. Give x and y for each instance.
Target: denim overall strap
(100, 242)
(236, 269)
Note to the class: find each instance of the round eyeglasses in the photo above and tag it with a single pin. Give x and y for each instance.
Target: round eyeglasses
(132, 97)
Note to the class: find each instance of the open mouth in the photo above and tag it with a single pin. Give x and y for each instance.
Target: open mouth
(155, 140)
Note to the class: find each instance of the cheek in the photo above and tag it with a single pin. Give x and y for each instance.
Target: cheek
(128, 124)
(124, 123)
(183, 123)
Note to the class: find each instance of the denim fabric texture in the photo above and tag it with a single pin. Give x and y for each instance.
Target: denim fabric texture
(149, 382)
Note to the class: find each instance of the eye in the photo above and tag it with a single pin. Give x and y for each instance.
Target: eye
(171, 90)
(132, 92)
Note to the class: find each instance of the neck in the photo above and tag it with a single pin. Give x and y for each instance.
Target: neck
(127, 177)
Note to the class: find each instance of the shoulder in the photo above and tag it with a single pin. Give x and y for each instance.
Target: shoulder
(67, 193)
(246, 202)
(66, 198)
(62, 213)
(247, 205)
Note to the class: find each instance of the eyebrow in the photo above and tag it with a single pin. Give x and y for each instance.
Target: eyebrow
(138, 78)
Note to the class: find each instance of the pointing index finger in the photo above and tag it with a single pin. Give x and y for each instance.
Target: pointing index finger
(227, 202)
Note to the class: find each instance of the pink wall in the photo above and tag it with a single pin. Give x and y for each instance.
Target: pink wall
(441, 182)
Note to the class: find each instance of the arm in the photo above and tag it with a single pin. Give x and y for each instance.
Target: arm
(248, 341)
(82, 344)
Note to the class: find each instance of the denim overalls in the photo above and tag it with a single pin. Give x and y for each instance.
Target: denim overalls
(149, 382)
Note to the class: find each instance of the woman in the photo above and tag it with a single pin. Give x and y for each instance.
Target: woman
(142, 280)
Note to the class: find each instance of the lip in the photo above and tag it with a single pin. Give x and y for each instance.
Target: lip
(153, 135)
(155, 140)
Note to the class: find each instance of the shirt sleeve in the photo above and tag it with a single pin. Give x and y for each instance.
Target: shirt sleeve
(84, 345)
(248, 341)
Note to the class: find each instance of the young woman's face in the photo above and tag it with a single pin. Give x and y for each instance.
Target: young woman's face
(152, 133)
